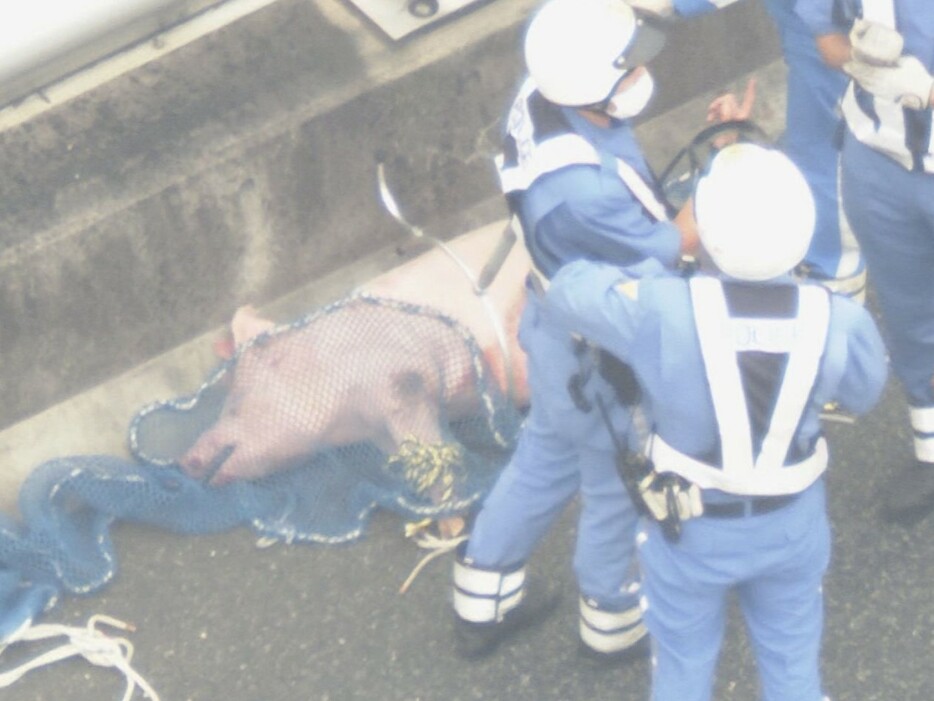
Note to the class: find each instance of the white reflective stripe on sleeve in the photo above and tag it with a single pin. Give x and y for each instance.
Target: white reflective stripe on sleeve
(641, 190)
(787, 479)
(480, 582)
(547, 156)
(922, 419)
(924, 448)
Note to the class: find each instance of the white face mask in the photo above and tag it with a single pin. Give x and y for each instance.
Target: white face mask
(632, 100)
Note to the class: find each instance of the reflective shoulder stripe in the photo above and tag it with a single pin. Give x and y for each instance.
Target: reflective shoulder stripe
(546, 157)
(726, 387)
(536, 156)
(637, 185)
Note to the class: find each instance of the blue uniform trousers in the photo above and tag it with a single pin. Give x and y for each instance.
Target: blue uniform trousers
(775, 562)
(892, 212)
(561, 450)
(809, 140)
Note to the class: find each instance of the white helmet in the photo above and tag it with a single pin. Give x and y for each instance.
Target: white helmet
(755, 212)
(578, 50)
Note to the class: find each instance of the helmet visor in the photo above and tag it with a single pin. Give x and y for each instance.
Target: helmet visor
(645, 44)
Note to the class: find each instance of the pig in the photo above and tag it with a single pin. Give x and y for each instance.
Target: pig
(368, 370)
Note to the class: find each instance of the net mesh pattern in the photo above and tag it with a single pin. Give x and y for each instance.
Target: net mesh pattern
(308, 428)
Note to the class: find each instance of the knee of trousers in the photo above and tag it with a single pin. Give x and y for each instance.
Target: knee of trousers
(484, 595)
(608, 631)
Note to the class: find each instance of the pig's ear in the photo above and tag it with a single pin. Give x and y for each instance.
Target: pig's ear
(247, 323)
(225, 347)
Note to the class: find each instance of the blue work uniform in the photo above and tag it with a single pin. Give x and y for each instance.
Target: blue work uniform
(810, 140)
(579, 191)
(734, 375)
(888, 194)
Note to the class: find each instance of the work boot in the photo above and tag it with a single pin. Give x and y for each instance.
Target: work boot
(909, 496)
(492, 606)
(611, 637)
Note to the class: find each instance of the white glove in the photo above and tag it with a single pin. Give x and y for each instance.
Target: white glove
(875, 44)
(659, 8)
(908, 82)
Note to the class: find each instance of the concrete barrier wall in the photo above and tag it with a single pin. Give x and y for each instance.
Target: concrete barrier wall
(242, 166)
(44, 40)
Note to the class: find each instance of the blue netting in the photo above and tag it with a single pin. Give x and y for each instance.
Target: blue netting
(447, 432)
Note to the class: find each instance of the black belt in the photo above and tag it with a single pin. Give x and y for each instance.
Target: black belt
(748, 507)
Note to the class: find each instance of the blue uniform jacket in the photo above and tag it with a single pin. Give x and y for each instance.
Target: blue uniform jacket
(585, 211)
(649, 324)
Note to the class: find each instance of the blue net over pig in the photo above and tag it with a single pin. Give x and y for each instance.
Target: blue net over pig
(301, 434)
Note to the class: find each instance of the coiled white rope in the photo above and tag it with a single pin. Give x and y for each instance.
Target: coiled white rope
(428, 541)
(94, 645)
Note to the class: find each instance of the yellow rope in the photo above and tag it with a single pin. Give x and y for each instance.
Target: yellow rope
(426, 465)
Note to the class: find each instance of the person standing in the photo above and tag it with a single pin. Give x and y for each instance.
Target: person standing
(576, 180)
(810, 137)
(735, 367)
(887, 47)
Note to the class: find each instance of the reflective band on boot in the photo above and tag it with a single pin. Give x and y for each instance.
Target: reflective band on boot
(922, 424)
(610, 631)
(485, 595)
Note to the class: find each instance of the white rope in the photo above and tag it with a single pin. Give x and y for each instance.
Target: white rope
(438, 547)
(88, 642)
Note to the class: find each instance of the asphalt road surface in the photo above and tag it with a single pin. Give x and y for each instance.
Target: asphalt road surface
(220, 619)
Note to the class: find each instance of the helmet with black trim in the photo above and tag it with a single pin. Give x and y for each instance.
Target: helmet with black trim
(577, 51)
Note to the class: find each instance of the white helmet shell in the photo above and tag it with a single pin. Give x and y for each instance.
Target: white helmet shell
(576, 51)
(755, 212)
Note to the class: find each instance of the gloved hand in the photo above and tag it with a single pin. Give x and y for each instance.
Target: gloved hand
(875, 44)
(659, 8)
(907, 82)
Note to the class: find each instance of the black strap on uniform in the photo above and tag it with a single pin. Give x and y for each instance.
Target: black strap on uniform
(580, 378)
(633, 467)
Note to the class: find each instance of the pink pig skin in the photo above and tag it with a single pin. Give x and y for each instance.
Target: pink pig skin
(378, 389)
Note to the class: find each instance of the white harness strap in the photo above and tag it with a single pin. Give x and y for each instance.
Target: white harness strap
(641, 190)
(721, 338)
(538, 158)
(889, 136)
